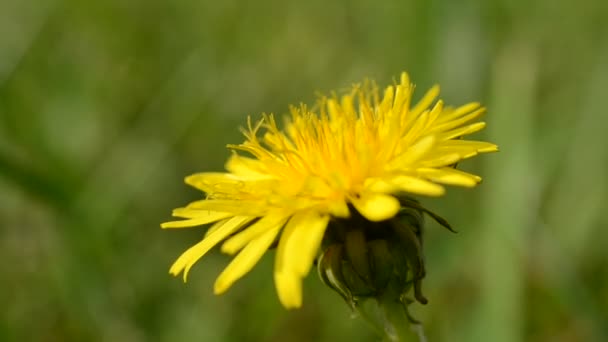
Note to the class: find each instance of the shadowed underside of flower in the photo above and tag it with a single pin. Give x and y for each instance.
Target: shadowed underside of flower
(355, 154)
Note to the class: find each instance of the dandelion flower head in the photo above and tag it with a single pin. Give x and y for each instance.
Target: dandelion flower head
(359, 151)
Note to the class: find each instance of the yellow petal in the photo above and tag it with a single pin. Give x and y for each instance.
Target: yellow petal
(402, 95)
(222, 230)
(416, 130)
(242, 207)
(387, 100)
(348, 106)
(439, 160)
(405, 79)
(376, 206)
(479, 146)
(266, 223)
(448, 125)
(464, 148)
(461, 131)
(214, 228)
(298, 247)
(413, 153)
(450, 176)
(245, 260)
(289, 289)
(458, 112)
(196, 218)
(194, 213)
(416, 185)
(300, 242)
(435, 112)
(379, 185)
(425, 102)
(214, 181)
(334, 110)
(339, 208)
(248, 168)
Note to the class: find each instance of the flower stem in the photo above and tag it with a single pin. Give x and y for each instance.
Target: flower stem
(389, 316)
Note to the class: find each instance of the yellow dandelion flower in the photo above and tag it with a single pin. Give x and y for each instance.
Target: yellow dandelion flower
(356, 152)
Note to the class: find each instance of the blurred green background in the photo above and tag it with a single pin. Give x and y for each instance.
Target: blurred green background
(105, 106)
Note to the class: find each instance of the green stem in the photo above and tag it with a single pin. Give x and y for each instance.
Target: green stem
(388, 315)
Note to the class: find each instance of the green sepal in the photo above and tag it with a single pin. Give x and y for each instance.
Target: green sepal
(356, 251)
(413, 251)
(382, 263)
(408, 202)
(329, 268)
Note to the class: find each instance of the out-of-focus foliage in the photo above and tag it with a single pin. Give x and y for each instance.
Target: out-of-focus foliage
(105, 106)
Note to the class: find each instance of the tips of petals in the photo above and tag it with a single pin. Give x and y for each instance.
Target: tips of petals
(219, 288)
(405, 79)
(176, 269)
(339, 209)
(493, 148)
(289, 289)
(376, 206)
(418, 186)
(181, 266)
